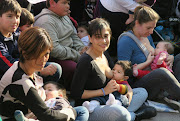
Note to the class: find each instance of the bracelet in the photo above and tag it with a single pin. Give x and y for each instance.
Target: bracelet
(103, 91)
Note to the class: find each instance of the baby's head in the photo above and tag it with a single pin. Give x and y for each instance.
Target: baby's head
(26, 19)
(122, 70)
(54, 89)
(82, 30)
(164, 46)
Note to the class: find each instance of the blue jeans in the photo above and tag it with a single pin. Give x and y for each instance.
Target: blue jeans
(119, 112)
(54, 77)
(104, 99)
(110, 113)
(82, 113)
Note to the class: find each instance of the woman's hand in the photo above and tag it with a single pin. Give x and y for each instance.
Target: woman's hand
(110, 87)
(170, 60)
(49, 70)
(150, 58)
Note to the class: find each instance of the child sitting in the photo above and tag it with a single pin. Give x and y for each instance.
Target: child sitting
(83, 33)
(162, 50)
(56, 99)
(121, 72)
(26, 20)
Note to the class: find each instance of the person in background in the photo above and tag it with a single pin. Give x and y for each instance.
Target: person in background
(26, 20)
(116, 12)
(67, 46)
(82, 32)
(10, 12)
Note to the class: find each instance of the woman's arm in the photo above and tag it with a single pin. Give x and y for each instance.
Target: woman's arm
(109, 88)
(147, 62)
(33, 101)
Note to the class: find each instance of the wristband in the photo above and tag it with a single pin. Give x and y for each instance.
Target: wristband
(103, 91)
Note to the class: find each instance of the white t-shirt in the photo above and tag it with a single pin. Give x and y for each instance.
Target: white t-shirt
(119, 5)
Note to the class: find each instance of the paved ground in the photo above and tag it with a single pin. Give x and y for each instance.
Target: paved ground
(165, 117)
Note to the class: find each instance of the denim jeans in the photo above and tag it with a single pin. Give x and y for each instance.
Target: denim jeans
(82, 113)
(139, 97)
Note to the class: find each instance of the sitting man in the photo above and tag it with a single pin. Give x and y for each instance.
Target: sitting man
(67, 46)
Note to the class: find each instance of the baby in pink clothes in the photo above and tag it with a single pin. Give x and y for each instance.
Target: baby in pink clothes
(162, 50)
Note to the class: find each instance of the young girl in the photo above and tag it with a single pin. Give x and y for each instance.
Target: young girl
(162, 50)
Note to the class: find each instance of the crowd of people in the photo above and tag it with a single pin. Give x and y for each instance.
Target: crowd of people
(45, 52)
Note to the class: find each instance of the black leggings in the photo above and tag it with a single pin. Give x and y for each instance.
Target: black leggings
(158, 80)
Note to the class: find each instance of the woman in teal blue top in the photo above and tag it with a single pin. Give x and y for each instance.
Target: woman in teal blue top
(159, 80)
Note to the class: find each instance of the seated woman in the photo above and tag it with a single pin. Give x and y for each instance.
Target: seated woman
(20, 87)
(90, 78)
(159, 80)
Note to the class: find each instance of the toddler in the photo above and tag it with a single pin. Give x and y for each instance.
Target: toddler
(82, 32)
(56, 99)
(163, 48)
(121, 72)
(26, 20)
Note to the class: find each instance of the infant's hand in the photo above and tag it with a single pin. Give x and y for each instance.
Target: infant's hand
(118, 87)
(110, 87)
(162, 56)
(150, 57)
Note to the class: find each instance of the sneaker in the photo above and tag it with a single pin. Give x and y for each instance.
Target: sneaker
(19, 116)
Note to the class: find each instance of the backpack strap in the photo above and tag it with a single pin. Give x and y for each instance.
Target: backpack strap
(138, 42)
